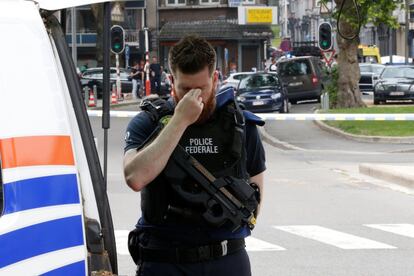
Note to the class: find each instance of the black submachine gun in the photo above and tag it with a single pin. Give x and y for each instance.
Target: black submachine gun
(226, 199)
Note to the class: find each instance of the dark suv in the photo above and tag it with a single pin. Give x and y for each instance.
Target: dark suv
(303, 77)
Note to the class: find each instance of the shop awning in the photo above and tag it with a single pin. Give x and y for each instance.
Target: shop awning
(214, 29)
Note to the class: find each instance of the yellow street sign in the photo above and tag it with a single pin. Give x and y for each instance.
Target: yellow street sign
(259, 15)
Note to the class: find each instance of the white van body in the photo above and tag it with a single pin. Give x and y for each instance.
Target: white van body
(48, 194)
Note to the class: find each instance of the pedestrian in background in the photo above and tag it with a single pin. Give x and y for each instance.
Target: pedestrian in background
(273, 66)
(155, 76)
(136, 76)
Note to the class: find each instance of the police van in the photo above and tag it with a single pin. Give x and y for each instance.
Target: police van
(54, 213)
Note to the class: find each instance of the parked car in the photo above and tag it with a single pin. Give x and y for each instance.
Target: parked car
(94, 76)
(303, 76)
(395, 83)
(263, 92)
(368, 71)
(234, 79)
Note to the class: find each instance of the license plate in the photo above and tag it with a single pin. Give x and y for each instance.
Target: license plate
(258, 103)
(295, 83)
(397, 93)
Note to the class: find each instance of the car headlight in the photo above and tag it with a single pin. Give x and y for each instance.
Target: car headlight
(241, 98)
(412, 88)
(379, 88)
(276, 96)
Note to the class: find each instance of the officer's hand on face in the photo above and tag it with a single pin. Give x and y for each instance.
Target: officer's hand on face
(190, 107)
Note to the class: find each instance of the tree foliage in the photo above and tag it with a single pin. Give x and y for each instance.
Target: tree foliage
(370, 11)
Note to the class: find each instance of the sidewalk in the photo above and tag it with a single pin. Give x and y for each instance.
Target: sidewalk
(120, 103)
(399, 174)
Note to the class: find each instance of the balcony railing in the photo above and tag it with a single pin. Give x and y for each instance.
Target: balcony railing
(89, 39)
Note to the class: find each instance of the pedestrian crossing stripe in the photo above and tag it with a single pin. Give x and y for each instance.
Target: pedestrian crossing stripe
(292, 117)
(333, 237)
(314, 232)
(254, 244)
(121, 237)
(406, 230)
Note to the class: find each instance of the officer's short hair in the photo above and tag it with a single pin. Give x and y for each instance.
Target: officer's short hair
(191, 55)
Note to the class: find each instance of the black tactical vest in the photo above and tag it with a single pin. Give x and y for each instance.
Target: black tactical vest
(219, 145)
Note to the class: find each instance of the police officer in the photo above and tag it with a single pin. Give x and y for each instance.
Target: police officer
(182, 242)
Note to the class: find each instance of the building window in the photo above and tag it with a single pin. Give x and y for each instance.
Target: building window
(412, 12)
(175, 2)
(209, 2)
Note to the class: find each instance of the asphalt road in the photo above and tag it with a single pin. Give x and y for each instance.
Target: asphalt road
(319, 215)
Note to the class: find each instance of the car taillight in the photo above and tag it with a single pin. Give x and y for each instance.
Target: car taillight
(314, 80)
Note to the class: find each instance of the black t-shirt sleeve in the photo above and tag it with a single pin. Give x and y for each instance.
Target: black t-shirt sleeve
(138, 130)
(256, 159)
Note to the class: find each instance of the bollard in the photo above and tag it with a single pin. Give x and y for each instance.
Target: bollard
(325, 101)
(86, 95)
(95, 93)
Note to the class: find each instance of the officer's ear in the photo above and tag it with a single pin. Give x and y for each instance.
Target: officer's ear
(215, 77)
(171, 77)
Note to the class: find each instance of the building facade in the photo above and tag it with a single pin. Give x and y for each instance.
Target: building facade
(242, 45)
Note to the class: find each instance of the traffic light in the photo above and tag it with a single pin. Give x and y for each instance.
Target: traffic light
(325, 36)
(117, 39)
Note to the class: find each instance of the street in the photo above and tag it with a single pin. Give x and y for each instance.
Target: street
(319, 216)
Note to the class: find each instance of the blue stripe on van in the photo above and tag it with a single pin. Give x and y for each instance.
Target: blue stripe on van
(39, 239)
(69, 270)
(40, 192)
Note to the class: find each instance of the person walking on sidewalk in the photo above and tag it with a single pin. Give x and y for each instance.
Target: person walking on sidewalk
(136, 76)
(155, 76)
(173, 237)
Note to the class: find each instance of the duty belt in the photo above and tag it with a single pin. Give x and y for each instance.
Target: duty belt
(191, 254)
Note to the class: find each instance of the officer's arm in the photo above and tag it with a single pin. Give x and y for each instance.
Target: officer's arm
(258, 179)
(142, 167)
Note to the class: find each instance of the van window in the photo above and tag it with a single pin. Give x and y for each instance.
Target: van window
(295, 68)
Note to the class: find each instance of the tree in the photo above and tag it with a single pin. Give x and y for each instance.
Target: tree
(371, 11)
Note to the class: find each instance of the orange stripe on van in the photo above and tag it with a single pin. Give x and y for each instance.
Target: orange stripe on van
(36, 151)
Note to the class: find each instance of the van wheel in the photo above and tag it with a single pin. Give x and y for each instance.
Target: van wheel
(293, 101)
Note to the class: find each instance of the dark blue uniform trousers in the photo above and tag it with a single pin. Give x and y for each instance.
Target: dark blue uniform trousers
(236, 264)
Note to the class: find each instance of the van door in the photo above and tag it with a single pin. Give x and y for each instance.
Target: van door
(54, 205)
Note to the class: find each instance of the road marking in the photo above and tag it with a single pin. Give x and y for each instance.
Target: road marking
(121, 237)
(333, 237)
(399, 229)
(254, 244)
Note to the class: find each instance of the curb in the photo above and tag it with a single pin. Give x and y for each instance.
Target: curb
(275, 142)
(364, 138)
(389, 173)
